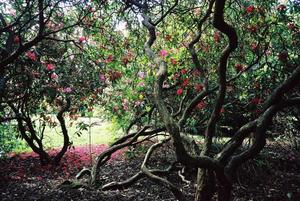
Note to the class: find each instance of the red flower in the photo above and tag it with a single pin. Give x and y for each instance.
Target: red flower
(16, 39)
(50, 67)
(173, 61)
(90, 109)
(185, 82)
(250, 9)
(183, 71)
(31, 55)
(201, 105)
(222, 110)
(217, 37)
(238, 67)
(199, 87)
(179, 91)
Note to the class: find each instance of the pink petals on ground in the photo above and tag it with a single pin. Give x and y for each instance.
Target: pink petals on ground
(26, 166)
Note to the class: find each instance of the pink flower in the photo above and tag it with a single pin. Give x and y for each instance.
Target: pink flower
(199, 87)
(31, 55)
(53, 76)
(102, 77)
(165, 85)
(141, 84)
(125, 106)
(163, 53)
(82, 39)
(50, 67)
(179, 91)
(141, 74)
(254, 47)
(67, 90)
(137, 103)
(201, 105)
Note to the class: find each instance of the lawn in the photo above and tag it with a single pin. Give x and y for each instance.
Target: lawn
(102, 132)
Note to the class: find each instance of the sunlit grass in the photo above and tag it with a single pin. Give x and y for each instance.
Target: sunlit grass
(102, 132)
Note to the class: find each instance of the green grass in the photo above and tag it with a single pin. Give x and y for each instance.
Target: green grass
(101, 133)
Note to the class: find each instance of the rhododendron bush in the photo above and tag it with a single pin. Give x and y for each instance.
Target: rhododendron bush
(43, 74)
(179, 73)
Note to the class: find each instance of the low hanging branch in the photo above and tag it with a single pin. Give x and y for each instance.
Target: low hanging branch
(245, 131)
(106, 155)
(264, 121)
(130, 181)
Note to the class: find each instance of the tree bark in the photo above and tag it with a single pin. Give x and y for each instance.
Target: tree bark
(206, 184)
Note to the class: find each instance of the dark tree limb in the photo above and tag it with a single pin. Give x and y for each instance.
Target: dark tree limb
(220, 24)
(140, 175)
(106, 155)
(176, 192)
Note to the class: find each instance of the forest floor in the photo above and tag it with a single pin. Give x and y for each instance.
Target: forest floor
(273, 176)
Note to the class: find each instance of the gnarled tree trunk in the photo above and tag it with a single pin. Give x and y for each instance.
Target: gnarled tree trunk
(206, 184)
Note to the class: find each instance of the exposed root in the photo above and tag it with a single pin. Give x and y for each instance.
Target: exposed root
(83, 172)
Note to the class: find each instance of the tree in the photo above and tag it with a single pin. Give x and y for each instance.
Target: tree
(40, 45)
(224, 58)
